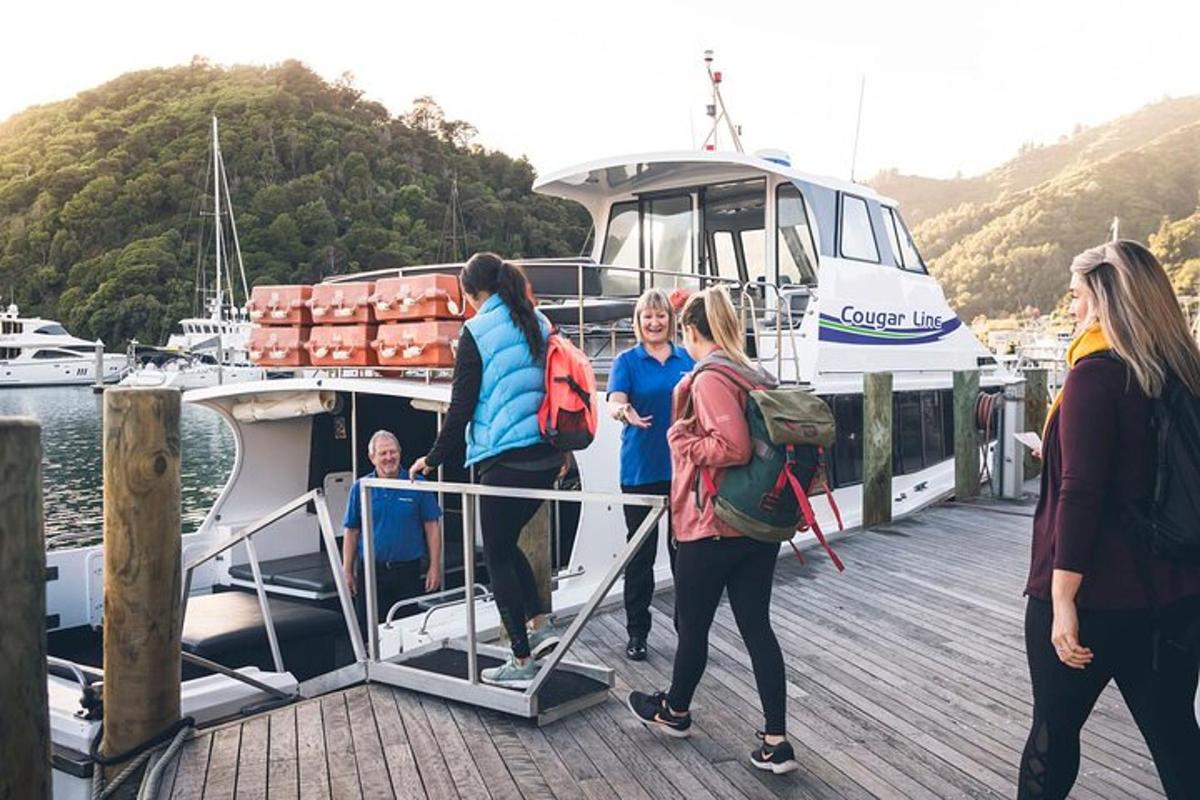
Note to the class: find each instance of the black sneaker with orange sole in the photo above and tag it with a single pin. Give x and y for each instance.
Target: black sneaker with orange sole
(778, 758)
(653, 712)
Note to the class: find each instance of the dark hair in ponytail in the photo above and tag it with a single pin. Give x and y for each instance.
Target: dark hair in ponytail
(489, 272)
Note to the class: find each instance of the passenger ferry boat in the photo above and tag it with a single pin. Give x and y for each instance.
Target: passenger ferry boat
(39, 352)
(830, 284)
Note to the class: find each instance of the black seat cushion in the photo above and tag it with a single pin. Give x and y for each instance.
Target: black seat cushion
(227, 622)
(309, 571)
(595, 312)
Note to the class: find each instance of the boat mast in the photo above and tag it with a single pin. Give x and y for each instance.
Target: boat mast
(718, 102)
(217, 230)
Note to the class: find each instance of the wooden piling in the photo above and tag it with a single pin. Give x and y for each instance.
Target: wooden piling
(24, 709)
(535, 544)
(142, 573)
(1037, 401)
(966, 434)
(877, 449)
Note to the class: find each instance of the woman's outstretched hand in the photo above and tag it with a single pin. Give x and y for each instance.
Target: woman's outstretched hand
(1064, 635)
(419, 467)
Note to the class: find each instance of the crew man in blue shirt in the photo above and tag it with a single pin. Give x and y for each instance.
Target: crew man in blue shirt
(405, 524)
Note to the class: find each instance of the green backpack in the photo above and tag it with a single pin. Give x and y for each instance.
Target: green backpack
(767, 497)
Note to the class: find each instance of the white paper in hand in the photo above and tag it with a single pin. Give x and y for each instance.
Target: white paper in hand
(1030, 440)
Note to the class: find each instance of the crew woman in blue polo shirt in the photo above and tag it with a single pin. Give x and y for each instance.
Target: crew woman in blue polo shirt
(405, 525)
(499, 384)
(639, 395)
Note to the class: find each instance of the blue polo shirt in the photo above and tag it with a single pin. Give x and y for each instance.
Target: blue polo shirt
(645, 457)
(397, 518)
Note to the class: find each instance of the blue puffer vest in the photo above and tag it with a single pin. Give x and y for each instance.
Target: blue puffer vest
(513, 385)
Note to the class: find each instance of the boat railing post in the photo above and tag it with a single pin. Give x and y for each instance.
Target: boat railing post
(371, 601)
(142, 569)
(966, 434)
(469, 585)
(877, 449)
(25, 734)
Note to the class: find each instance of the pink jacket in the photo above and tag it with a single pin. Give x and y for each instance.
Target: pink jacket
(716, 435)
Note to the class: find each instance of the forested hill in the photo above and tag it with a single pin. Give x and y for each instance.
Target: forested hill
(103, 197)
(1002, 241)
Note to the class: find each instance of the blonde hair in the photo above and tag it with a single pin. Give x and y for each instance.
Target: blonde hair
(657, 299)
(1140, 314)
(711, 313)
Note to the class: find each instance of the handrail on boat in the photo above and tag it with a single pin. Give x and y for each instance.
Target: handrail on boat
(245, 536)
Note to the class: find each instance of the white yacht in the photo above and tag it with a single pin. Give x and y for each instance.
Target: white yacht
(39, 352)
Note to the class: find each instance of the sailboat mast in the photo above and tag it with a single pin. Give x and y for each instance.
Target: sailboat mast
(217, 228)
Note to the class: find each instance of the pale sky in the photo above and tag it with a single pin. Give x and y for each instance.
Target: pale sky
(949, 85)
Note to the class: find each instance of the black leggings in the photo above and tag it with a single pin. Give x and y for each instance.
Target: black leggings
(1161, 701)
(704, 569)
(639, 573)
(501, 519)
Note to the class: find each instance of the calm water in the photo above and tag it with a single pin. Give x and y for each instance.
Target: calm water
(71, 466)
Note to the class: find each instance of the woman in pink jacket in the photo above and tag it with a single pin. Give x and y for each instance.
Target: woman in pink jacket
(714, 557)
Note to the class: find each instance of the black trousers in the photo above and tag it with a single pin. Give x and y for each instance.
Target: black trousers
(501, 521)
(394, 581)
(1161, 700)
(704, 569)
(639, 573)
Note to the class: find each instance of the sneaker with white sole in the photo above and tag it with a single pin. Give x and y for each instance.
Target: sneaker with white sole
(542, 641)
(653, 711)
(778, 758)
(510, 674)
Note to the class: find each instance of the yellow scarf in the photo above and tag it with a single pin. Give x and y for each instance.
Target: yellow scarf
(1090, 340)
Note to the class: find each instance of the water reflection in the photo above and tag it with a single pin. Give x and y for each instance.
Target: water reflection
(71, 461)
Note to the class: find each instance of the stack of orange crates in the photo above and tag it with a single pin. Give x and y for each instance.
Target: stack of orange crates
(423, 317)
(343, 325)
(282, 325)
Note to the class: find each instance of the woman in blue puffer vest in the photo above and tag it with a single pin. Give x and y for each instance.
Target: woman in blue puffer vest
(499, 383)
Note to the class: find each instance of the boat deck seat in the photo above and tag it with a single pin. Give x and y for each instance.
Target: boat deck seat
(308, 572)
(595, 312)
(227, 627)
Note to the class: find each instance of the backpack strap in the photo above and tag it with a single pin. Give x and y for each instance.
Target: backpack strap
(810, 519)
(733, 375)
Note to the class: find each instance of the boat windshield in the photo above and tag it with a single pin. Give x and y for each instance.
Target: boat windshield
(52, 330)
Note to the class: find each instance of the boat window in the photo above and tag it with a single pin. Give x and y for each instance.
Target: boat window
(858, 237)
(725, 255)
(622, 248)
(889, 222)
(933, 429)
(908, 451)
(9, 353)
(8, 326)
(54, 354)
(795, 252)
(668, 224)
(847, 449)
(912, 259)
(52, 330)
(738, 209)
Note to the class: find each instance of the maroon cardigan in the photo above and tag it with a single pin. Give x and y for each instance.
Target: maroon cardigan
(1097, 458)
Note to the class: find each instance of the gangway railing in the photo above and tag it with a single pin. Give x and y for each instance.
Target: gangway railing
(245, 536)
(435, 668)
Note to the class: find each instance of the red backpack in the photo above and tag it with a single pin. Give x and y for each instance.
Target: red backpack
(568, 414)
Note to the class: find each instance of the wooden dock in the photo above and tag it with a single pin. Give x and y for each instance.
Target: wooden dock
(906, 679)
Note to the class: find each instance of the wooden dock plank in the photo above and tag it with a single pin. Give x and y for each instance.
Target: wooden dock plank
(397, 752)
(435, 774)
(311, 755)
(283, 770)
(499, 757)
(467, 780)
(252, 760)
(339, 749)
(221, 780)
(193, 767)
(368, 748)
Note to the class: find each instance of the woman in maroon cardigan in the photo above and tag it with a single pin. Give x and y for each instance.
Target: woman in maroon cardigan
(1093, 591)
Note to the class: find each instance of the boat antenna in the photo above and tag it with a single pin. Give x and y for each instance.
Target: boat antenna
(237, 247)
(1114, 232)
(717, 110)
(862, 89)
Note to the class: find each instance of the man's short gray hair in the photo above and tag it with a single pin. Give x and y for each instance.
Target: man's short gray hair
(376, 436)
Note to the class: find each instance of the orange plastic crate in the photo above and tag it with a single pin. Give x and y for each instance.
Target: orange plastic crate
(342, 346)
(342, 303)
(278, 346)
(418, 297)
(418, 344)
(280, 305)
